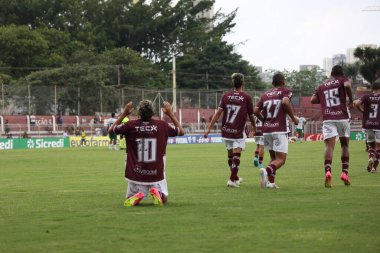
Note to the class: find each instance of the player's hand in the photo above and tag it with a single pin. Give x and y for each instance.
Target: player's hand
(167, 108)
(296, 120)
(205, 135)
(128, 109)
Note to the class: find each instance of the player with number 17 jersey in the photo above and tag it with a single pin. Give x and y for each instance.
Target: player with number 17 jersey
(332, 97)
(273, 110)
(236, 105)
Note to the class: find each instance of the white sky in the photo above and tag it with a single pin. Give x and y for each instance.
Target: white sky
(283, 34)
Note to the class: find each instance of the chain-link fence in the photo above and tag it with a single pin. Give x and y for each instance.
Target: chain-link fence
(69, 100)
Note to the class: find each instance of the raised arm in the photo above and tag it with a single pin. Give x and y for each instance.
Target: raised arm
(213, 120)
(126, 112)
(168, 110)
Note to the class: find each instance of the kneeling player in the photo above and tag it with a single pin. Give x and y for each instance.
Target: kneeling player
(146, 153)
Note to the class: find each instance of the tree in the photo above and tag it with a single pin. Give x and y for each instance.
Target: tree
(303, 82)
(92, 76)
(212, 68)
(370, 62)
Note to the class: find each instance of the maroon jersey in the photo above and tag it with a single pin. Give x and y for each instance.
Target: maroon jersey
(146, 148)
(273, 111)
(371, 115)
(259, 127)
(236, 105)
(332, 97)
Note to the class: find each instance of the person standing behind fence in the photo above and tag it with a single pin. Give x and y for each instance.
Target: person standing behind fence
(236, 106)
(369, 105)
(332, 96)
(112, 135)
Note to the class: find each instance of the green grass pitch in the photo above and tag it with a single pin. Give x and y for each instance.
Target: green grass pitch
(71, 200)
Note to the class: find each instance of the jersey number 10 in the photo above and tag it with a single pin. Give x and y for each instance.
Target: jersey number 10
(147, 150)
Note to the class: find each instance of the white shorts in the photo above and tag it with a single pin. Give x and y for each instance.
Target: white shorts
(372, 135)
(231, 144)
(277, 142)
(259, 140)
(336, 128)
(134, 188)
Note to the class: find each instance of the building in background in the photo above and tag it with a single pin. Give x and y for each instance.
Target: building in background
(339, 59)
(327, 65)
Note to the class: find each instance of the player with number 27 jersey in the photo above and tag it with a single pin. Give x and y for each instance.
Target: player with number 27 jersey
(236, 105)
(273, 111)
(332, 97)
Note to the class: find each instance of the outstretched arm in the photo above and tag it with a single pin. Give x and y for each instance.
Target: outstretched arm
(127, 111)
(168, 110)
(213, 120)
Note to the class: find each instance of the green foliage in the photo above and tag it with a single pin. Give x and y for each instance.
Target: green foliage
(370, 62)
(213, 67)
(121, 42)
(71, 200)
(304, 82)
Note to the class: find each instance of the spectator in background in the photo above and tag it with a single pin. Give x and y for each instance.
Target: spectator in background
(59, 121)
(6, 127)
(25, 135)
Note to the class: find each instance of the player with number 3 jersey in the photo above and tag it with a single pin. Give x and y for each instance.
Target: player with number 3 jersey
(237, 107)
(331, 95)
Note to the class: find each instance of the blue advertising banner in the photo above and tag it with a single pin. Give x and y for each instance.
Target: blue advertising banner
(195, 139)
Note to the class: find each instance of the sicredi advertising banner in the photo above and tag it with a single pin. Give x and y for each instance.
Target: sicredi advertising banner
(33, 143)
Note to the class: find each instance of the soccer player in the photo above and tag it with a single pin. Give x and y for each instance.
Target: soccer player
(369, 105)
(112, 135)
(332, 96)
(146, 151)
(272, 109)
(236, 106)
(83, 138)
(259, 140)
(300, 127)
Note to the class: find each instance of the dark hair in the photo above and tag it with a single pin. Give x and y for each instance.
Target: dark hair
(337, 70)
(146, 110)
(237, 79)
(112, 114)
(376, 85)
(278, 79)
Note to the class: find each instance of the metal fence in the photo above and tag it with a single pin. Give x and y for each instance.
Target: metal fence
(54, 99)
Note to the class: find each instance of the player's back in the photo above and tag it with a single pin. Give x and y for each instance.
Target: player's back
(273, 110)
(236, 105)
(146, 148)
(332, 97)
(371, 115)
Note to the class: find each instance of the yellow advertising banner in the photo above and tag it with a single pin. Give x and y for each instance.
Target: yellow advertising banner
(94, 141)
